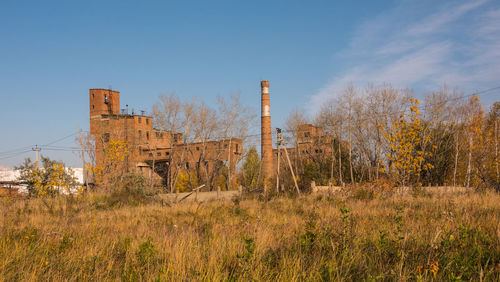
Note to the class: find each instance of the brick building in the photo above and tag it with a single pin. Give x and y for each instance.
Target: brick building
(153, 151)
(312, 144)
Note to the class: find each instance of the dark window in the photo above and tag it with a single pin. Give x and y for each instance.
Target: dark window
(187, 165)
(93, 107)
(307, 134)
(105, 99)
(147, 135)
(225, 146)
(197, 148)
(158, 154)
(237, 147)
(150, 154)
(167, 153)
(147, 121)
(92, 95)
(139, 119)
(140, 135)
(105, 137)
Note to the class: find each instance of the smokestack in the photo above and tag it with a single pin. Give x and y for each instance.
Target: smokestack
(266, 138)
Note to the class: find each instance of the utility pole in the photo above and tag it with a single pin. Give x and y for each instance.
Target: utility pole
(36, 149)
(280, 136)
(84, 170)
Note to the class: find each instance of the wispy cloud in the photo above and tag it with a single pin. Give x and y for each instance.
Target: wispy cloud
(454, 44)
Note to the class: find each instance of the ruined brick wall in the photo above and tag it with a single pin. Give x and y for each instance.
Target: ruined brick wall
(148, 145)
(312, 145)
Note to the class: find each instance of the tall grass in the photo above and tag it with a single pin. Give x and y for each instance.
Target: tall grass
(308, 238)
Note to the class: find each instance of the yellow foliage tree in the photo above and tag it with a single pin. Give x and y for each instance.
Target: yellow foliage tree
(482, 132)
(405, 138)
(48, 181)
(186, 181)
(114, 167)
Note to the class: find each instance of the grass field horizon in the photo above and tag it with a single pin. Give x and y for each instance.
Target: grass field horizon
(356, 236)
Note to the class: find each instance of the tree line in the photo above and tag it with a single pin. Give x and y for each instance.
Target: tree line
(373, 134)
(384, 132)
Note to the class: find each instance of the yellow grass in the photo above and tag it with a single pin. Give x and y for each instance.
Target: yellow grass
(316, 237)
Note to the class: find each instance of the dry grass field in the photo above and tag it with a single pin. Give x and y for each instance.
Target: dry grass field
(349, 237)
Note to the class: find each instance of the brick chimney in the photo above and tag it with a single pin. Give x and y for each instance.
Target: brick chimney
(266, 137)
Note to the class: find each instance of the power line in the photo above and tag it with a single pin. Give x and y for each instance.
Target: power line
(16, 149)
(14, 155)
(61, 139)
(478, 93)
(21, 150)
(11, 151)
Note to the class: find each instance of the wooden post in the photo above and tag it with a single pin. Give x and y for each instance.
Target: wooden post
(84, 170)
(288, 159)
(36, 149)
(278, 167)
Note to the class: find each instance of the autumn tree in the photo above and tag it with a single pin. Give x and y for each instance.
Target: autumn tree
(483, 151)
(383, 107)
(114, 168)
(406, 159)
(473, 132)
(250, 170)
(492, 136)
(48, 181)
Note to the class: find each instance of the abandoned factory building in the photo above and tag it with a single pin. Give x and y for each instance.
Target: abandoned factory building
(311, 144)
(151, 150)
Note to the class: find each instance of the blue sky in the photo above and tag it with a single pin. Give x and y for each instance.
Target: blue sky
(52, 52)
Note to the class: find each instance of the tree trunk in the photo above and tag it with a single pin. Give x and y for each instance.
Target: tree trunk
(350, 155)
(456, 162)
(496, 149)
(229, 163)
(333, 160)
(468, 163)
(378, 150)
(340, 164)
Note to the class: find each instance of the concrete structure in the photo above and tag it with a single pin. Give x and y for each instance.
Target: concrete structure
(153, 151)
(266, 137)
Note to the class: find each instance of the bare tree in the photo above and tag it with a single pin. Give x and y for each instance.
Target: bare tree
(292, 125)
(347, 102)
(205, 128)
(167, 117)
(331, 119)
(235, 119)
